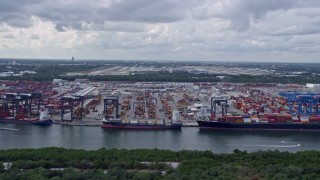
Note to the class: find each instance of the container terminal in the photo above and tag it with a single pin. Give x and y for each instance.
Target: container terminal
(83, 102)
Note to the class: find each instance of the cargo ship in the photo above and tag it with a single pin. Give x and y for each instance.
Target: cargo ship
(268, 122)
(118, 124)
(43, 119)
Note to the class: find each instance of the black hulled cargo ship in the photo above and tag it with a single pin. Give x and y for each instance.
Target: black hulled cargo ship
(42, 118)
(118, 124)
(27, 121)
(267, 122)
(23, 109)
(258, 126)
(112, 120)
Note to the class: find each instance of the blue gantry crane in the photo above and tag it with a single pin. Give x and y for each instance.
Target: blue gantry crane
(307, 102)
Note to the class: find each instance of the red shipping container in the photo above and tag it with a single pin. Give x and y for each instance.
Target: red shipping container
(231, 119)
(314, 119)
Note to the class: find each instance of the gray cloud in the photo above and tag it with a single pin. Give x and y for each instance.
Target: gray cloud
(34, 36)
(165, 28)
(17, 5)
(143, 10)
(243, 13)
(147, 11)
(297, 21)
(74, 14)
(65, 26)
(15, 13)
(8, 36)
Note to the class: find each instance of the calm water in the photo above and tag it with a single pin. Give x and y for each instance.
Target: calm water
(86, 137)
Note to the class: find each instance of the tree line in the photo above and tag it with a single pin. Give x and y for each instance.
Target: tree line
(150, 164)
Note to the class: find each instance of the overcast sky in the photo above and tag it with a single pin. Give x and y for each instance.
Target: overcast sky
(237, 30)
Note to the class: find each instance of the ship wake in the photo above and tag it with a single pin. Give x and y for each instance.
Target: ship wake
(283, 145)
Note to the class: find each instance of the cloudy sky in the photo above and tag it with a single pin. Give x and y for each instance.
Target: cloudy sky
(235, 30)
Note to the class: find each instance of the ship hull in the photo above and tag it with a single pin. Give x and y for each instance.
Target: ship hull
(258, 126)
(33, 122)
(116, 125)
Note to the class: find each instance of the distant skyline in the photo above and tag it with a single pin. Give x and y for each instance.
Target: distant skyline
(204, 30)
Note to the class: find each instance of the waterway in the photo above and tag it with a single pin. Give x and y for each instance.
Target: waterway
(188, 138)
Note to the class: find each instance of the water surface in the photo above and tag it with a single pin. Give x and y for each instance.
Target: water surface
(94, 137)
